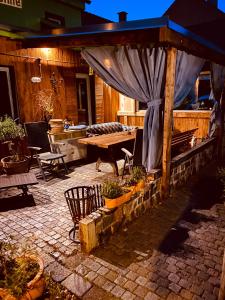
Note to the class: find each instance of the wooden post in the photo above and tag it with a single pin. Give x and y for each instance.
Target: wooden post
(168, 117)
(221, 129)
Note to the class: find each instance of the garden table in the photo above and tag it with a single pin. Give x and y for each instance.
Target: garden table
(21, 181)
(110, 146)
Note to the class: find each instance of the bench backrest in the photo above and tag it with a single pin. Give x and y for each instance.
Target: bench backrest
(182, 138)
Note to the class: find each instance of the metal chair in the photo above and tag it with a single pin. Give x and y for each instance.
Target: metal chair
(135, 158)
(81, 202)
(47, 154)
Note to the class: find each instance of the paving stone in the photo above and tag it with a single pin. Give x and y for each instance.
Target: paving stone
(57, 271)
(141, 281)
(130, 285)
(99, 280)
(132, 275)
(151, 296)
(141, 291)
(162, 292)
(103, 270)
(111, 275)
(186, 294)
(77, 284)
(128, 296)
(108, 285)
(120, 280)
(174, 287)
(173, 277)
(82, 270)
(117, 291)
(91, 275)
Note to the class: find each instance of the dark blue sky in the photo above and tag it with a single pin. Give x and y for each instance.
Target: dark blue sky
(141, 9)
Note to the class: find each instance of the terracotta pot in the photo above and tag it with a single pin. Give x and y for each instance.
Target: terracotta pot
(57, 125)
(112, 203)
(35, 287)
(14, 167)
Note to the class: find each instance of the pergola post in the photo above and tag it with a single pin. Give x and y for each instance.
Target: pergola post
(221, 129)
(168, 119)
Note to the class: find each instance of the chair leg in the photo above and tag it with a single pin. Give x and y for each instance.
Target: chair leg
(72, 234)
(65, 166)
(124, 166)
(41, 169)
(98, 162)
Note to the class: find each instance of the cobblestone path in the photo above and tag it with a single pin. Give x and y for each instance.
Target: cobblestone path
(173, 252)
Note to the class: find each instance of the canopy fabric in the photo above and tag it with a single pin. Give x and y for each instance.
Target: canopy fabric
(188, 68)
(217, 83)
(139, 73)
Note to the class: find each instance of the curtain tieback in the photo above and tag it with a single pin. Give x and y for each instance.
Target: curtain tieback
(155, 102)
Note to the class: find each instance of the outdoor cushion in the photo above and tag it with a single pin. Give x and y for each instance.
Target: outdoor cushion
(105, 128)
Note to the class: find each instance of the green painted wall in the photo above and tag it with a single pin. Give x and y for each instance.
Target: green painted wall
(33, 10)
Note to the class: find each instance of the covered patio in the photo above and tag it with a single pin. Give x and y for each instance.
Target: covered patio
(174, 251)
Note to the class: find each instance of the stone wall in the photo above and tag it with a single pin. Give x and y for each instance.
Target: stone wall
(96, 228)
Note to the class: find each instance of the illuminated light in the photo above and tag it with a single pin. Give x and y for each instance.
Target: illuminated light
(107, 63)
(109, 26)
(46, 51)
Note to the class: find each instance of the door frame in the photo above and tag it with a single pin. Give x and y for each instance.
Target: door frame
(86, 76)
(7, 70)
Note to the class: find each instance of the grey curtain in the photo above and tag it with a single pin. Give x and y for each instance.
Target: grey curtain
(137, 72)
(217, 83)
(188, 68)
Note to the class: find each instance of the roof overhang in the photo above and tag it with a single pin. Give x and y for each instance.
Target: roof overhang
(158, 31)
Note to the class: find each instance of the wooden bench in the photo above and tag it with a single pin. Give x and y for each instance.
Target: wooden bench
(181, 140)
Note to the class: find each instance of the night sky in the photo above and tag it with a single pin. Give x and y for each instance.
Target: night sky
(141, 9)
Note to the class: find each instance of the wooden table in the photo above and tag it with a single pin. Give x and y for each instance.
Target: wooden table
(21, 181)
(111, 143)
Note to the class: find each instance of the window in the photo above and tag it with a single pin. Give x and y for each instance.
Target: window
(8, 92)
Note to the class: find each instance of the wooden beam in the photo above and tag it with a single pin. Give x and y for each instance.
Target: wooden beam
(94, 40)
(174, 39)
(168, 116)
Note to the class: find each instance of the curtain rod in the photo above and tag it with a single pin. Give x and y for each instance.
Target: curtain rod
(35, 58)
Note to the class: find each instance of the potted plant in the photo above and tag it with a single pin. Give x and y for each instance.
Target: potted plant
(138, 175)
(13, 135)
(114, 194)
(21, 273)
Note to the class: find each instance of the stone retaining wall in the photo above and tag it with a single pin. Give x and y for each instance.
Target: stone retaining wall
(98, 226)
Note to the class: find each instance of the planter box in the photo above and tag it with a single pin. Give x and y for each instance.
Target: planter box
(112, 203)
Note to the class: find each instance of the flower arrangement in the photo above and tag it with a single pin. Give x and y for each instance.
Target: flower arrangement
(45, 102)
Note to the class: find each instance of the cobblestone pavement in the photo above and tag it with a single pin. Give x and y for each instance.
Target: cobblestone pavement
(173, 252)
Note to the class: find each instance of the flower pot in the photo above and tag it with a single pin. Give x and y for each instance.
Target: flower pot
(112, 203)
(35, 287)
(57, 125)
(14, 167)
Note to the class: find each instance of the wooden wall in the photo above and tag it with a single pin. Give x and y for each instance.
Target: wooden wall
(107, 102)
(64, 63)
(183, 120)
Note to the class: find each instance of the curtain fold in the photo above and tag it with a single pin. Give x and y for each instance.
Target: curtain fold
(137, 72)
(188, 68)
(217, 84)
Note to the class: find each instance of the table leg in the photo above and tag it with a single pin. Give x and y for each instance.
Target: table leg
(24, 188)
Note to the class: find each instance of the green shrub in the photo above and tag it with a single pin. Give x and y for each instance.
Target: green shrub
(9, 130)
(137, 174)
(112, 189)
